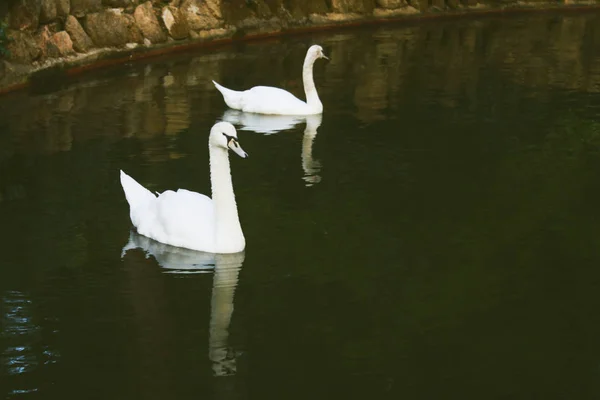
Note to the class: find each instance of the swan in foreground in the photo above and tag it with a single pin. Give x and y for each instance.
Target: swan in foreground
(272, 100)
(189, 219)
(270, 124)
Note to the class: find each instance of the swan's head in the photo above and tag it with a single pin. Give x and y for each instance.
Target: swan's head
(223, 135)
(315, 51)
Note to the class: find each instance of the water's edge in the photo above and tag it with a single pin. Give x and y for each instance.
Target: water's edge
(18, 74)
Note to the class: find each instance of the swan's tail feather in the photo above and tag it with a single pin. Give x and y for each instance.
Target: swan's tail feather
(232, 98)
(135, 193)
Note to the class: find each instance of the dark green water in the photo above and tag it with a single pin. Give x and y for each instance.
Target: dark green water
(436, 237)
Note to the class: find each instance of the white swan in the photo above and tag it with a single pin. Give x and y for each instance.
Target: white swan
(272, 100)
(189, 219)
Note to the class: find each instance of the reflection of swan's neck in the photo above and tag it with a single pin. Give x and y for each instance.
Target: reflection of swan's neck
(227, 269)
(307, 158)
(312, 98)
(310, 166)
(229, 237)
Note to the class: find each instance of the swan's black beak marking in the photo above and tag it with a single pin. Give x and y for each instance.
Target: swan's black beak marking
(233, 144)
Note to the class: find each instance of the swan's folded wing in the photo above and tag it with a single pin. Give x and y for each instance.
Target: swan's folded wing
(267, 100)
(186, 219)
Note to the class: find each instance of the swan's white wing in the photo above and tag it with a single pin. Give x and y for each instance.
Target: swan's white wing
(272, 100)
(183, 219)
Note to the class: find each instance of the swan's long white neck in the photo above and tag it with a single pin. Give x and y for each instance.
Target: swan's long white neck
(312, 98)
(229, 237)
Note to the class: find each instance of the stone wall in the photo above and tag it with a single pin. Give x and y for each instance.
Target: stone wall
(71, 33)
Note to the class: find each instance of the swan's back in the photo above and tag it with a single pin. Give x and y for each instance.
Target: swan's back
(264, 100)
(272, 100)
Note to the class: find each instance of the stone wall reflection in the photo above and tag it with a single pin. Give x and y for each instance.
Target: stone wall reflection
(149, 101)
(446, 59)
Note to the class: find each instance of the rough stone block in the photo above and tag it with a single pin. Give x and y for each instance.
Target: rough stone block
(79, 8)
(175, 22)
(112, 28)
(25, 14)
(81, 40)
(148, 23)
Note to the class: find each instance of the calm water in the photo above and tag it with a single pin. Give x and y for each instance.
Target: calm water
(436, 235)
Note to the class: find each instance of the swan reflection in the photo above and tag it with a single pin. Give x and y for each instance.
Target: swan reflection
(271, 124)
(226, 268)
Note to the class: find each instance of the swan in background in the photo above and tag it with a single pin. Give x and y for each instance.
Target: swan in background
(188, 219)
(272, 100)
(270, 124)
(225, 279)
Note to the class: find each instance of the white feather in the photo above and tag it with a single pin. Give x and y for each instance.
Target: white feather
(189, 219)
(276, 101)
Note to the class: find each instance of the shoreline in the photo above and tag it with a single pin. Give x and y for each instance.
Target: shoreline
(25, 75)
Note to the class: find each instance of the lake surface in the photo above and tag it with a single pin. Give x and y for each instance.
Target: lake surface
(435, 235)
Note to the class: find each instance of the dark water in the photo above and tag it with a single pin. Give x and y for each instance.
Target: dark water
(435, 236)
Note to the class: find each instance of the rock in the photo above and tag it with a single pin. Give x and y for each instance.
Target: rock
(387, 13)
(25, 14)
(215, 7)
(421, 5)
(81, 41)
(112, 28)
(22, 47)
(255, 25)
(303, 9)
(199, 15)
(148, 23)
(63, 43)
(55, 26)
(47, 49)
(63, 8)
(391, 4)
(260, 8)
(215, 33)
(79, 8)
(353, 6)
(48, 11)
(175, 22)
(120, 3)
(51, 51)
